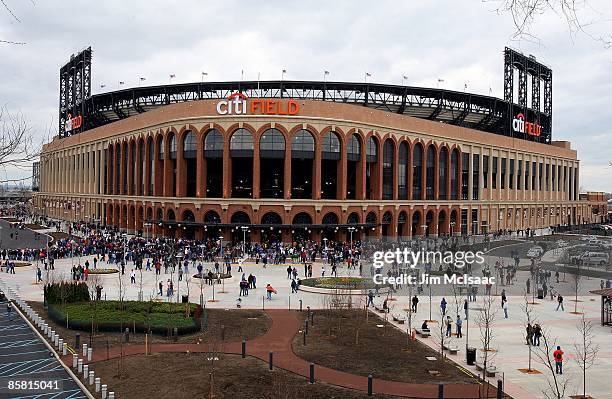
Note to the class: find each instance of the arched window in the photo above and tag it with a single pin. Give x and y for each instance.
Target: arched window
(371, 218)
(171, 215)
(240, 218)
(353, 218)
(454, 174)
(443, 177)
(212, 217)
(302, 218)
(430, 172)
(190, 145)
(303, 145)
(330, 218)
(151, 165)
(353, 148)
(330, 146)
(402, 177)
(188, 216)
(241, 143)
(417, 172)
(271, 218)
(372, 150)
(213, 144)
(388, 155)
(172, 144)
(160, 150)
(272, 144)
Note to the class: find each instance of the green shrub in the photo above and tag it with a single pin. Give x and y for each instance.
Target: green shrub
(68, 292)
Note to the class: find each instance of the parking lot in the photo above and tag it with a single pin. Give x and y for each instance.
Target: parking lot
(24, 357)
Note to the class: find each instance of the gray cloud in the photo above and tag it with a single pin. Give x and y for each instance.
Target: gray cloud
(461, 42)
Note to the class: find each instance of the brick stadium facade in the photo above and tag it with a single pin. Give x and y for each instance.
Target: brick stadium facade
(185, 170)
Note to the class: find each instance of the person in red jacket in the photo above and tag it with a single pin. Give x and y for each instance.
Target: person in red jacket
(270, 290)
(558, 355)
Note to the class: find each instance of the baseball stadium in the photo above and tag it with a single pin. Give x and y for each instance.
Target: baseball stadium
(291, 160)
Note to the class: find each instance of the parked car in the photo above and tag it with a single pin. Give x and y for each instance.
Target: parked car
(535, 252)
(594, 258)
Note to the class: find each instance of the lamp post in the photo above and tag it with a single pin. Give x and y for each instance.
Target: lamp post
(351, 230)
(244, 231)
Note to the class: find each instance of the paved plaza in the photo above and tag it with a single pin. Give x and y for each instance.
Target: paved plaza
(509, 334)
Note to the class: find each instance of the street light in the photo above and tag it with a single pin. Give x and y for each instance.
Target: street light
(244, 231)
(351, 230)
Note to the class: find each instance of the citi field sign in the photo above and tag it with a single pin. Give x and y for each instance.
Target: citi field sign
(239, 104)
(519, 125)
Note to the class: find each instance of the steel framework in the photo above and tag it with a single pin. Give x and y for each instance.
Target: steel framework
(75, 88)
(540, 74)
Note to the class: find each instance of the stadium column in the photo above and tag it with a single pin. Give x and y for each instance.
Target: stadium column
(109, 168)
(448, 179)
(436, 187)
(101, 172)
(424, 175)
(130, 169)
(138, 175)
(341, 174)
(256, 183)
(434, 221)
(147, 167)
(181, 171)
(481, 173)
(167, 185)
(378, 171)
(200, 167)
(227, 168)
(360, 185)
(316, 183)
(394, 169)
(287, 170)
(123, 168)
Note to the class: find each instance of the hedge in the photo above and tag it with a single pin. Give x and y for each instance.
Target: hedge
(159, 318)
(67, 292)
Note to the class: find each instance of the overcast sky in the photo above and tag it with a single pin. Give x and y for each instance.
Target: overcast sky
(458, 41)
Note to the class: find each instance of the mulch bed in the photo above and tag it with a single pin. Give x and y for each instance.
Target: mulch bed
(32, 226)
(229, 325)
(385, 353)
(60, 235)
(186, 376)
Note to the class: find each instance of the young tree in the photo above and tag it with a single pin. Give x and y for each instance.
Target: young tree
(528, 311)
(576, 284)
(485, 320)
(585, 350)
(557, 385)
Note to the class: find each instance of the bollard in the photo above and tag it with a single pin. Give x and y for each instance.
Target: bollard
(243, 348)
(127, 335)
(500, 389)
(52, 335)
(60, 344)
(175, 336)
(75, 358)
(97, 384)
(312, 319)
(304, 340)
(370, 385)
(104, 391)
(65, 349)
(45, 328)
(80, 365)
(300, 305)
(270, 360)
(111, 395)
(306, 326)
(84, 350)
(441, 391)
(77, 340)
(85, 370)
(311, 381)
(89, 354)
(91, 378)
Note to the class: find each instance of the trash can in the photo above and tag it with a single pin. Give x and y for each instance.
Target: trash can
(470, 356)
(185, 299)
(540, 293)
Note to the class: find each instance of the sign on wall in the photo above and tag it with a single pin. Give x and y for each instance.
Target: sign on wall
(240, 104)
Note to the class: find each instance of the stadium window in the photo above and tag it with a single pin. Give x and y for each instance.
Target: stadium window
(503, 172)
(485, 171)
(494, 174)
(475, 176)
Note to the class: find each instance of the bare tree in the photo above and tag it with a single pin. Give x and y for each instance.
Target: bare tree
(585, 350)
(14, 16)
(527, 308)
(524, 14)
(18, 148)
(485, 320)
(544, 353)
(577, 283)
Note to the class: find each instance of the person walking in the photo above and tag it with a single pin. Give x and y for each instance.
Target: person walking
(370, 299)
(443, 306)
(560, 302)
(269, 291)
(415, 303)
(558, 355)
(537, 333)
(505, 307)
(459, 323)
(465, 308)
(449, 326)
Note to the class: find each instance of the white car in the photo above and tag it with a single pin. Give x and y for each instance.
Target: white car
(535, 252)
(594, 258)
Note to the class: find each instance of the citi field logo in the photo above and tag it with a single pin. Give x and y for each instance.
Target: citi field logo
(236, 104)
(519, 125)
(73, 123)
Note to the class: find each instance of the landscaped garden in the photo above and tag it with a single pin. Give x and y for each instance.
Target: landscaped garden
(342, 283)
